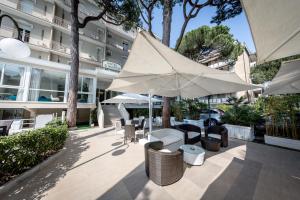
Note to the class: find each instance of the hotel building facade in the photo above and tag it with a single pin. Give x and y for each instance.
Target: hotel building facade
(39, 84)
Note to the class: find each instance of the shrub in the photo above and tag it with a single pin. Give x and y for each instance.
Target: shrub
(22, 151)
(243, 115)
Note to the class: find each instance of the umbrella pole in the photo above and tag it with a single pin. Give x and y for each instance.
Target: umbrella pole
(150, 114)
(209, 119)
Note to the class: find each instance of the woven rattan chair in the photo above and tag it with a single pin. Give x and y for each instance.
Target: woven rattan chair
(189, 128)
(163, 168)
(218, 130)
(6, 124)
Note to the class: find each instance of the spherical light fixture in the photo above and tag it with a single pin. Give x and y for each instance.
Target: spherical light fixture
(14, 48)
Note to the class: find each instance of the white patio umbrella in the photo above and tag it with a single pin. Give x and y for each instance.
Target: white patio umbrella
(156, 69)
(275, 27)
(130, 98)
(287, 80)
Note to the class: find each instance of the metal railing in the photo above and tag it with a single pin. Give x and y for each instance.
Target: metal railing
(61, 22)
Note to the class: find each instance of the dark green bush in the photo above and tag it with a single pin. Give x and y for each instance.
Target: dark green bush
(22, 151)
(243, 115)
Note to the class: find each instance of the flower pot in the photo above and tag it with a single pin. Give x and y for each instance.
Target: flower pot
(282, 142)
(240, 132)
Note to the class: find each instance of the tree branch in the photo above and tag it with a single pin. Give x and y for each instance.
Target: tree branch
(92, 18)
(114, 23)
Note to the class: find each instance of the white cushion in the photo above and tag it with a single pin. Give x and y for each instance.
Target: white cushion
(169, 139)
(217, 136)
(165, 150)
(192, 134)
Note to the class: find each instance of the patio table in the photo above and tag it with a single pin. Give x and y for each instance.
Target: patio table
(193, 154)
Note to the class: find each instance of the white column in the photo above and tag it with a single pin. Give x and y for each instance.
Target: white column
(66, 88)
(27, 75)
(94, 90)
(150, 113)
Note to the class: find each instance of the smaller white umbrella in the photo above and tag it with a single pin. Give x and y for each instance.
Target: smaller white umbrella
(130, 98)
(287, 80)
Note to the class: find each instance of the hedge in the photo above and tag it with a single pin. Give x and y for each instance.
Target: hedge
(23, 151)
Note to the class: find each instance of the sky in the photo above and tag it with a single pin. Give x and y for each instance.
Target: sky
(238, 25)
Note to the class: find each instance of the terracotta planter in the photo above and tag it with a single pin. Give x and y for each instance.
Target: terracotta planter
(240, 132)
(282, 142)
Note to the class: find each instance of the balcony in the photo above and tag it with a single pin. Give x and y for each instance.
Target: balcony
(34, 11)
(117, 45)
(62, 22)
(8, 32)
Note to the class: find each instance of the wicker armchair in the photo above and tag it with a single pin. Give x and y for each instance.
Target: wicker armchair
(189, 128)
(163, 168)
(6, 124)
(218, 130)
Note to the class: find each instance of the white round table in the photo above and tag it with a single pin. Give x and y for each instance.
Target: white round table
(193, 154)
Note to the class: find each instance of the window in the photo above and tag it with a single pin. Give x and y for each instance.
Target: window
(11, 82)
(25, 34)
(108, 52)
(85, 90)
(99, 54)
(125, 46)
(42, 34)
(47, 86)
(45, 10)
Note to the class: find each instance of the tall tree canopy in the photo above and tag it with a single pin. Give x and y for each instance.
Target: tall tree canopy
(266, 71)
(204, 40)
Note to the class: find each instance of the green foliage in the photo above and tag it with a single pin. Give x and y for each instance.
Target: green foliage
(56, 122)
(266, 71)
(205, 39)
(224, 107)
(145, 112)
(240, 114)
(281, 114)
(119, 12)
(187, 108)
(22, 151)
(226, 9)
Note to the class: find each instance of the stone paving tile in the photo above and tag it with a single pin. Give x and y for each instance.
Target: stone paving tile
(96, 165)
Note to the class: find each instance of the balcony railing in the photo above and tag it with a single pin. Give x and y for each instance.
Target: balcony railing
(8, 32)
(62, 22)
(60, 47)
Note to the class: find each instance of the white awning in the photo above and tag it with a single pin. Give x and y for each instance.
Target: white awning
(287, 80)
(275, 27)
(130, 98)
(155, 68)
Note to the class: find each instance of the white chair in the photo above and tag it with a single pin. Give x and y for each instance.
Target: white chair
(16, 126)
(119, 129)
(142, 131)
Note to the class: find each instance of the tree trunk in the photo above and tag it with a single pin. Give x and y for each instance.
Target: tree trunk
(73, 81)
(167, 19)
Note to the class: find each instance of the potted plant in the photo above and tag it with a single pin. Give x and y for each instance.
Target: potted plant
(283, 121)
(239, 119)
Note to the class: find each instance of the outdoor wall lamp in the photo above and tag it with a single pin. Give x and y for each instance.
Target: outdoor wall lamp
(14, 47)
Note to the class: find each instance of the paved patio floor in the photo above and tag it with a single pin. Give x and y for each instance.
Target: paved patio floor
(96, 165)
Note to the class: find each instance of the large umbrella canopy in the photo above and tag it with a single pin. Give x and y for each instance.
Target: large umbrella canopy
(154, 68)
(130, 98)
(275, 27)
(287, 80)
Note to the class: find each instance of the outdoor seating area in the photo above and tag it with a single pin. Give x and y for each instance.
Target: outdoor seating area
(243, 170)
(126, 100)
